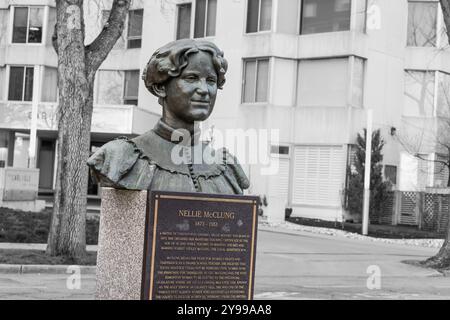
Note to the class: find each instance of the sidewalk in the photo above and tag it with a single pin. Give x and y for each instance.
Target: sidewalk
(46, 269)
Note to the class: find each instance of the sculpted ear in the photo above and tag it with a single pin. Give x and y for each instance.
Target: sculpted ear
(159, 90)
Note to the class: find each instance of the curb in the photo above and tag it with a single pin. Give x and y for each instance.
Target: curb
(45, 269)
(289, 231)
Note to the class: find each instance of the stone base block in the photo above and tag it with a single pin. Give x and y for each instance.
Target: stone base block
(121, 244)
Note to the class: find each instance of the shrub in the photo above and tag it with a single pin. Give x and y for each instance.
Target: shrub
(378, 188)
(28, 227)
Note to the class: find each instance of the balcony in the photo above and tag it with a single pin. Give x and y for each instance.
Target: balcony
(330, 44)
(117, 119)
(427, 58)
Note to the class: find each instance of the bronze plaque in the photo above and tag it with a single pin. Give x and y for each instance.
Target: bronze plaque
(199, 246)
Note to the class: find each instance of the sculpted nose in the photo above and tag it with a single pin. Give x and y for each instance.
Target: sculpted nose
(202, 87)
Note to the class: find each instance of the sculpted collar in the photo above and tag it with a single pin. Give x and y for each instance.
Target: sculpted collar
(159, 151)
(173, 135)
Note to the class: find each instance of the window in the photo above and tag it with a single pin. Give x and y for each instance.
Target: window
(256, 80)
(279, 150)
(390, 174)
(110, 87)
(440, 171)
(2, 81)
(21, 148)
(184, 21)
(27, 25)
(317, 175)
(443, 95)
(357, 86)
(325, 16)
(422, 24)
(205, 18)
(50, 85)
(324, 83)
(116, 87)
(21, 84)
(134, 38)
(131, 87)
(259, 15)
(134, 29)
(419, 93)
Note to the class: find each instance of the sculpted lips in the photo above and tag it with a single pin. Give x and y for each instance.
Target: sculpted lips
(201, 102)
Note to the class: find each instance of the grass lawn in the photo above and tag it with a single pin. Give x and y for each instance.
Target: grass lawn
(28, 227)
(11, 256)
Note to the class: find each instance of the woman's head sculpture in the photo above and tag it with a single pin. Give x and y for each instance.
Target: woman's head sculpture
(185, 76)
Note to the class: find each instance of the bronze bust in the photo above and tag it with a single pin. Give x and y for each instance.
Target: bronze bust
(185, 76)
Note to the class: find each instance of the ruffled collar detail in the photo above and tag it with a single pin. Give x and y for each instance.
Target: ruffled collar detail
(157, 150)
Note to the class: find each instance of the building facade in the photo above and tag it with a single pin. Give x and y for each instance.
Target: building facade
(308, 68)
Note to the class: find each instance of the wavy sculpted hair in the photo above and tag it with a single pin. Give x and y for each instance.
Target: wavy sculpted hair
(170, 60)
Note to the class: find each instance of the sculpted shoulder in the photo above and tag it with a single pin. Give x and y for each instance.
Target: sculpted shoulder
(236, 170)
(119, 164)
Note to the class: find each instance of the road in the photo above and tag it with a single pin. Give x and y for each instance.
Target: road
(312, 266)
(300, 266)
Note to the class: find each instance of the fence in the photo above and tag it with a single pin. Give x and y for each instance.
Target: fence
(428, 210)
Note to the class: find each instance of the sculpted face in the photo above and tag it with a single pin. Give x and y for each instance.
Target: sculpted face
(191, 96)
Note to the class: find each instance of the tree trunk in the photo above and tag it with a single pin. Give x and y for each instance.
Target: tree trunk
(67, 236)
(448, 169)
(442, 259)
(77, 65)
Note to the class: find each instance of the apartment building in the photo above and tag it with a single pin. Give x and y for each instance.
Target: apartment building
(308, 68)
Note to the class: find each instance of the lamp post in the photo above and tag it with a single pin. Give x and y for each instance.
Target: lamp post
(367, 165)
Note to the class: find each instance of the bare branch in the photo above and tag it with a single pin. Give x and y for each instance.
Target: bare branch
(98, 50)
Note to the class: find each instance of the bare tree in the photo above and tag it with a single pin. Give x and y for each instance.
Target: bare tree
(442, 141)
(77, 65)
(430, 132)
(437, 137)
(442, 259)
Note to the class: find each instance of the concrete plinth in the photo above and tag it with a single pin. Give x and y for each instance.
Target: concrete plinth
(121, 244)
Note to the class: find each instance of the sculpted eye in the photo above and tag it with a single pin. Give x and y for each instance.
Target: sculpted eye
(191, 77)
(212, 80)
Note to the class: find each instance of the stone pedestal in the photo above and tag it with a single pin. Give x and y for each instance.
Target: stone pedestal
(121, 244)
